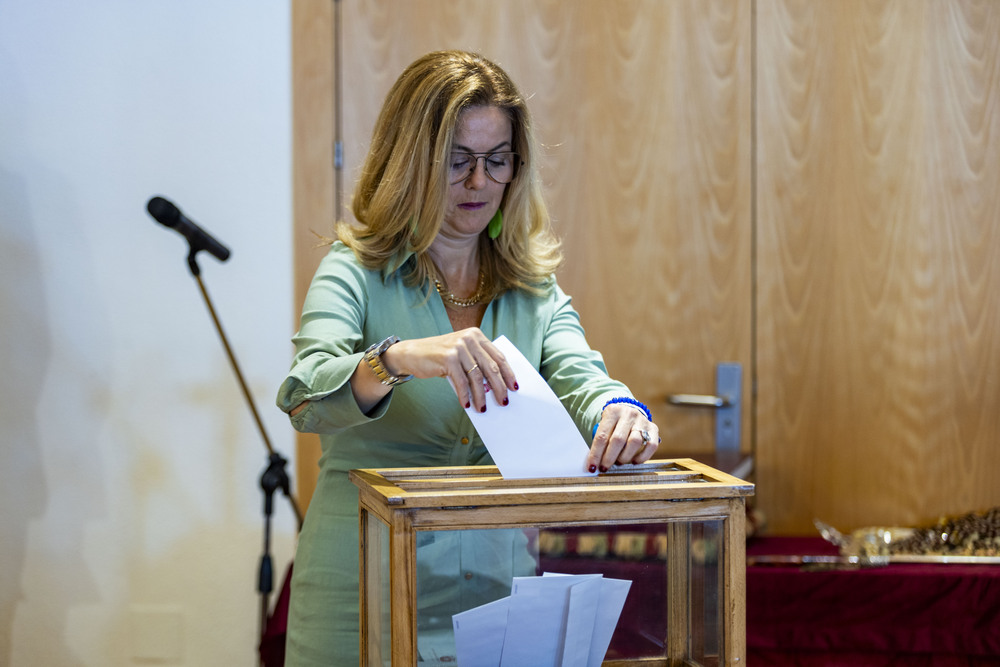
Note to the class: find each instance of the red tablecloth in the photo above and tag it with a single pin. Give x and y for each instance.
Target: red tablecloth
(939, 615)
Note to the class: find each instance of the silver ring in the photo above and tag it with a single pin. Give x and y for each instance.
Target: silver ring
(472, 369)
(645, 437)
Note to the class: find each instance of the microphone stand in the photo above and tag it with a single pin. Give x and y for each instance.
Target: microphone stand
(274, 476)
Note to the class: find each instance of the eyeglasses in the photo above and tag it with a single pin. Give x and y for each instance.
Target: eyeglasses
(500, 167)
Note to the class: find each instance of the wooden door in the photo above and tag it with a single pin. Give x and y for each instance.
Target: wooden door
(878, 261)
(806, 188)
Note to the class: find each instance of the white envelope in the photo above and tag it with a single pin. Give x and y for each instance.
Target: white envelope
(581, 616)
(533, 436)
(557, 620)
(479, 634)
(536, 625)
(607, 610)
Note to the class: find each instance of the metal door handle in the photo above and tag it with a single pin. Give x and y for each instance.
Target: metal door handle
(699, 400)
(726, 402)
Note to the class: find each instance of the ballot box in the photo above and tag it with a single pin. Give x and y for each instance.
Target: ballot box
(643, 565)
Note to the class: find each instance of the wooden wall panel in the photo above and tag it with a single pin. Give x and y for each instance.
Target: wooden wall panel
(312, 176)
(879, 261)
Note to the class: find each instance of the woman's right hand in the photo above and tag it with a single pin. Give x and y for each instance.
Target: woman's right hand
(469, 360)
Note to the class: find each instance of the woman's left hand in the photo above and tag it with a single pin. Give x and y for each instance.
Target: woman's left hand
(624, 435)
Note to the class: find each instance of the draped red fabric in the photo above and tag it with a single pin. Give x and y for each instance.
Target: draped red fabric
(904, 614)
(272, 643)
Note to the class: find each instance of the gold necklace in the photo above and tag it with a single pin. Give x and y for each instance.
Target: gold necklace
(463, 303)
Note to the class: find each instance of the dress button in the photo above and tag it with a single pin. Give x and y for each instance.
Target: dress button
(465, 441)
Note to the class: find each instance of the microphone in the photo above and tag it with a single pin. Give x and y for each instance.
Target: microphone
(169, 215)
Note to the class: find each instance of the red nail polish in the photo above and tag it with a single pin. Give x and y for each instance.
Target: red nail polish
(467, 404)
(603, 469)
(505, 401)
(516, 387)
(482, 409)
(593, 468)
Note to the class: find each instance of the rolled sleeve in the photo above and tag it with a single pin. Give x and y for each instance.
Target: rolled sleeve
(328, 349)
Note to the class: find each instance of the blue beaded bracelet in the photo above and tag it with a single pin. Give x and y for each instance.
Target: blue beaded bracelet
(630, 401)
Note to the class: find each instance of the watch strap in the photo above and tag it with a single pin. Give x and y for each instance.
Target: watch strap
(373, 355)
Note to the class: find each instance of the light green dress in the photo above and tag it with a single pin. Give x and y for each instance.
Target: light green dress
(419, 423)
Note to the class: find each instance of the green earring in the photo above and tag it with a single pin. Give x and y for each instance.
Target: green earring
(496, 224)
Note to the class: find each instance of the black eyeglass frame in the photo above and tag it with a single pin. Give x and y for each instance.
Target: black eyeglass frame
(516, 163)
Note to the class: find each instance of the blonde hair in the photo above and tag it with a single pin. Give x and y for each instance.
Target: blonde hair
(400, 197)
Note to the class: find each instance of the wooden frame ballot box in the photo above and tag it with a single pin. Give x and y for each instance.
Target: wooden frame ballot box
(436, 542)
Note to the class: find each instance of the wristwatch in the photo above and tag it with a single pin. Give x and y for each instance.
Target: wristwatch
(373, 355)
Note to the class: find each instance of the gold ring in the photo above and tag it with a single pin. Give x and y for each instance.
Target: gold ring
(472, 369)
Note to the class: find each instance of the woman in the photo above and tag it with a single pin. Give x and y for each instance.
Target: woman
(453, 249)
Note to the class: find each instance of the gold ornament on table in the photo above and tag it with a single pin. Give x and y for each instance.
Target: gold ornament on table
(973, 534)
(972, 538)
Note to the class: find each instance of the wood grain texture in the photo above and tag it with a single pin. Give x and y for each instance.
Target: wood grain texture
(879, 261)
(312, 176)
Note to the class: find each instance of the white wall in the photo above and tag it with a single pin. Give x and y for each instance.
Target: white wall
(130, 513)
